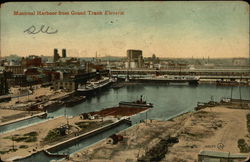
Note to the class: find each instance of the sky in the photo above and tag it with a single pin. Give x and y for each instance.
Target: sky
(167, 29)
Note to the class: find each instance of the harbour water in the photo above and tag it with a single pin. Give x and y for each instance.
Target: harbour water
(168, 101)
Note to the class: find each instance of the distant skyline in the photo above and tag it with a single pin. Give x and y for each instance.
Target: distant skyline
(218, 29)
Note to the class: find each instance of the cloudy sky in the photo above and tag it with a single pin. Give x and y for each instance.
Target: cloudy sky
(167, 29)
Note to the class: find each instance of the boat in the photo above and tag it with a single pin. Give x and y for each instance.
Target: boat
(230, 83)
(52, 105)
(170, 79)
(138, 103)
(74, 101)
(94, 85)
(5, 98)
(117, 86)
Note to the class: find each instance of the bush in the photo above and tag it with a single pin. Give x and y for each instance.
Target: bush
(54, 133)
(31, 134)
(28, 137)
(31, 139)
(23, 146)
(242, 145)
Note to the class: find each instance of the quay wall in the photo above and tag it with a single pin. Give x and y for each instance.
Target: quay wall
(24, 118)
(76, 139)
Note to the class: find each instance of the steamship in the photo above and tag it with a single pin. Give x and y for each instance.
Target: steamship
(94, 85)
(169, 79)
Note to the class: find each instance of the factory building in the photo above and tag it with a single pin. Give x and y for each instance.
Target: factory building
(134, 59)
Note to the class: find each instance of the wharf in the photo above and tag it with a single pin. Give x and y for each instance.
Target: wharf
(85, 135)
(50, 150)
(42, 114)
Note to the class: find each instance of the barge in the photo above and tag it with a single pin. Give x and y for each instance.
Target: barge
(138, 103)
(75, 101)
(52, 105)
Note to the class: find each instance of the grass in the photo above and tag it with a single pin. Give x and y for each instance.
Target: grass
(84, 124)
(7, 151)
(52, 134)
(23, 146)
(248, 123)
(242, 145)
(28, 137)
(3, 152)
(31, 134)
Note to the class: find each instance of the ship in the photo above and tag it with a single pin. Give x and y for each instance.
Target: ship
(138, 103)
(94, 85)
(74, 101)
(169, 79)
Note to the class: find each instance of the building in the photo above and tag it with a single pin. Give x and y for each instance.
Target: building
(56, 55)
(15, 69)
(134, 59)
(4, 86)
(33, 61)
(64, 53)
(66, 84)
(240, 61)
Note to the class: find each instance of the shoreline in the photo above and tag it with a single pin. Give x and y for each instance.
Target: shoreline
(197, 131)
(23, 118)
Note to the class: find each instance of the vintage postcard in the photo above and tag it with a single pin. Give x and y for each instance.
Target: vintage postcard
(125, 81)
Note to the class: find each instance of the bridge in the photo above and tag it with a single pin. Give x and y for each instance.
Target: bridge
(202, 73)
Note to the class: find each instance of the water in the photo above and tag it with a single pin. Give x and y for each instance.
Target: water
(90, 140)
(40, 156)
(71, 148)
(168, 101)
(24, 123)
(20, 124)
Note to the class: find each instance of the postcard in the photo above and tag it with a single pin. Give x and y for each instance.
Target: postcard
(125, 81)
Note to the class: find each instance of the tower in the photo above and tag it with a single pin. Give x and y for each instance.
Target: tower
(56, 55)
(64, 54)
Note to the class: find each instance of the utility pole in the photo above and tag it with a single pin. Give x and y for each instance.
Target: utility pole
(13, 146)
(240, 96)
(231, 93)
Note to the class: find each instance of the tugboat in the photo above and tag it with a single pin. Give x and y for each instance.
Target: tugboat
(138, 103)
